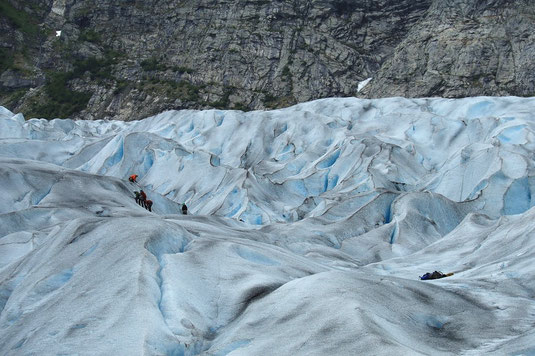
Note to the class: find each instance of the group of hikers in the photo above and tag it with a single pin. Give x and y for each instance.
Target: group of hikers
(141, 197)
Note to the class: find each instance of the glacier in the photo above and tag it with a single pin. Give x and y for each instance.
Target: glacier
(307, 230)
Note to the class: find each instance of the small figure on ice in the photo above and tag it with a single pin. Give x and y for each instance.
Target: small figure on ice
(435, 275)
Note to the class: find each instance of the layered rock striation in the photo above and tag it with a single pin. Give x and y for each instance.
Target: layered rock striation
(130, 59)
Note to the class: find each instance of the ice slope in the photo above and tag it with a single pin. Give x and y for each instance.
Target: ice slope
(310, 227)
(261, 166)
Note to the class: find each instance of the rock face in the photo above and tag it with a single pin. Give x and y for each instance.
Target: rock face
(464, 48)
(130, 59)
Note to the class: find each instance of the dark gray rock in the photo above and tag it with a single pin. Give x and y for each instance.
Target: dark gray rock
(11, 79)
(464, 48)
(137, 58)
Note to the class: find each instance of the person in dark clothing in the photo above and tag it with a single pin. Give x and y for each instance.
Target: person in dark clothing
(435, 275)
(138, 197)
(184, 209)
(148, 205)
(143, 198)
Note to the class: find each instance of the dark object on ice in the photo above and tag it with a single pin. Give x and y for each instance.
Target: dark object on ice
(184, 209)
(143, 198)
(133, 178)
(435, 275)
(148, 205)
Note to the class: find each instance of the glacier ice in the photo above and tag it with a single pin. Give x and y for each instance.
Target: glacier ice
(308, 229)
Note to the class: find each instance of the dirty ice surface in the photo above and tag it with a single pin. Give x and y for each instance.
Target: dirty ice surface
(308, 230)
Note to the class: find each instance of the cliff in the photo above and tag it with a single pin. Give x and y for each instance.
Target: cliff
(130, 59)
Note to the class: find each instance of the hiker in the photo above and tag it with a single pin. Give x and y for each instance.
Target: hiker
(143, 197)
(184, 209)
(138, 197)
(148, 205)
(435, 275)
(133, 178)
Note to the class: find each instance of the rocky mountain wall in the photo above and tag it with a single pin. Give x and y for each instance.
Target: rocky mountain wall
(464, 48)
(130, 59)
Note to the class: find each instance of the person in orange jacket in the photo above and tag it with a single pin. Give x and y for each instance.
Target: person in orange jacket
(133, 178)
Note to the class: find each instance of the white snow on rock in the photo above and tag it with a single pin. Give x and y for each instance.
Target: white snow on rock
(308, 229)
(362, 84)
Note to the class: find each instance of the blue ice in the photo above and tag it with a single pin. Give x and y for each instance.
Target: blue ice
(482, 185)
(517, 199)
(512, 275)
(388, 214)
(115, 158)
(394, 234)
(295, 167)
(234, 197)
(333, 125)
(232, 347)
(54, 282)
(333, 181)
(329, 182)
(289, 147)
(432, 321)
(330, 160)
(506, 119)
(514, 134)
(19, 344)
(216, 151)
(219, 117)
(234, 200)
(148, 161)
(297, 186)
(526, 352)
(483, 108)
(253, 214)
(286, 152)
(255, 257)
(234, 211)
(280, 130)
(215, 161)
(166, 132)
(166, 243)
(253, 219)
(79, 326)
(39, 196)
(90, 250)
(199, 140)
